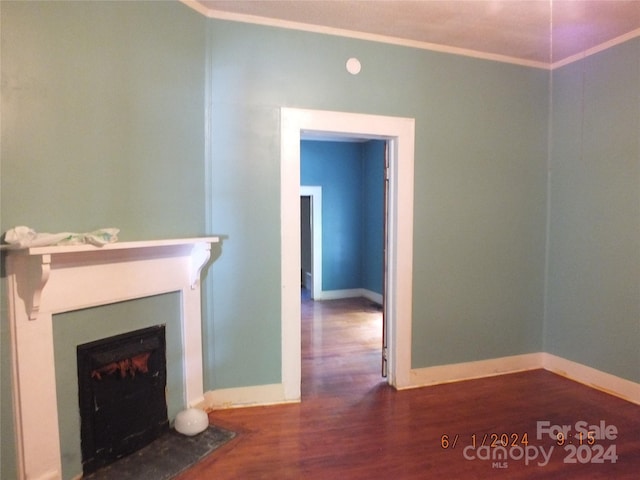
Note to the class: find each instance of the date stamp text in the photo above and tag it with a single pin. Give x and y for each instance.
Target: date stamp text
(580, 442)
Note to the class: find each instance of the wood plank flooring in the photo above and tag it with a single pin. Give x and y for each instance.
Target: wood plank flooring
(351, 424)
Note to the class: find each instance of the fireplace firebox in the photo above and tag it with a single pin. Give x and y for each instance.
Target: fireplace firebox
(121, 387)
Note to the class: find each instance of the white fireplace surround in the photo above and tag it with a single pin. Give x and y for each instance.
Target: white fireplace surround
(44, 281)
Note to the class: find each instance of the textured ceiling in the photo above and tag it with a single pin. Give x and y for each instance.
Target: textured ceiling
(542, 32)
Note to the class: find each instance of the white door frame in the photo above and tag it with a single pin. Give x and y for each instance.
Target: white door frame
(400, 133)
(315, 193)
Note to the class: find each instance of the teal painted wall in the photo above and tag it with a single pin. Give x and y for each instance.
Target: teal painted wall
(103, 122)
(102, 117)
(350, 175)
(593, 299)
(480, 189)
(102, 125)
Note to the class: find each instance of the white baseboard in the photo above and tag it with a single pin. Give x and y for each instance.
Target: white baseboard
(339, 294)
(457, 372)
(350, 293)
(371, 295)
(272, 394)
(605, 382)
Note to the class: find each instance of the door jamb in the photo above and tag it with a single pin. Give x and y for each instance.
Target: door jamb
(315, 193)
(400, 132)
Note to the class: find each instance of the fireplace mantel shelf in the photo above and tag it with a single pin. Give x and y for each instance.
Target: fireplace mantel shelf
(83, 247)
(45, 281)
(43, 257)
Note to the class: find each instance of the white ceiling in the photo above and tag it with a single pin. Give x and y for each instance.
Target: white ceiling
(536, 32)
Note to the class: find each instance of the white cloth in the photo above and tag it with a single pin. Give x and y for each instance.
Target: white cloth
(25, 237)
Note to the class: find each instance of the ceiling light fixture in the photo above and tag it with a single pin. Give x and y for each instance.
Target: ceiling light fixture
(353, 66)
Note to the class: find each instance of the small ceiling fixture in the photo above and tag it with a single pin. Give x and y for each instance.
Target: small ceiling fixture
(353, 66)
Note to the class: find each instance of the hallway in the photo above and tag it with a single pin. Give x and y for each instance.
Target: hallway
(341, 347)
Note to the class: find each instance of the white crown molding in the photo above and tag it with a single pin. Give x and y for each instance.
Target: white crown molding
(599, 48)
(273, 22)
(340, 32)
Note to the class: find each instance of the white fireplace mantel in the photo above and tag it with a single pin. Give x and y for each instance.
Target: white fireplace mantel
(43, 281)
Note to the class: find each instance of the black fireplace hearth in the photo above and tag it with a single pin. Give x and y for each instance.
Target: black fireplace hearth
(121, 384)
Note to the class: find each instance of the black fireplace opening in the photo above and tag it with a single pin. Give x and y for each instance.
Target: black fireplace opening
(122, 395)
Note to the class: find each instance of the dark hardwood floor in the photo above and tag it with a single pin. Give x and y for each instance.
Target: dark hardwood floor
(351, 424)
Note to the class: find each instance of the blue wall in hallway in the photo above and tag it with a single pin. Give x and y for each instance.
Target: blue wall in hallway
(373, 215)
(350, 175)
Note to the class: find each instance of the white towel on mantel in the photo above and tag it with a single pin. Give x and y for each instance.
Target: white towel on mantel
(25, 237)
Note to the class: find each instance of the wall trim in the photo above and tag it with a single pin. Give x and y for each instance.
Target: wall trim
(457, 372)
(373, 37)
(258, 395)
(400, 134)
(603, 381)
(340, 294)
(588, 376)
(373, 296)
(402, 42)
(597, 49)
(350, 293)
(315, 192)
(263, 395)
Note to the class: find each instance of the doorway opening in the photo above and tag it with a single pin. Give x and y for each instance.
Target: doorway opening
(311, 239)
(399, 133)
(351, 248)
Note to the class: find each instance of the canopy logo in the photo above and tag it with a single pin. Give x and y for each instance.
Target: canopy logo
(500, 455)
